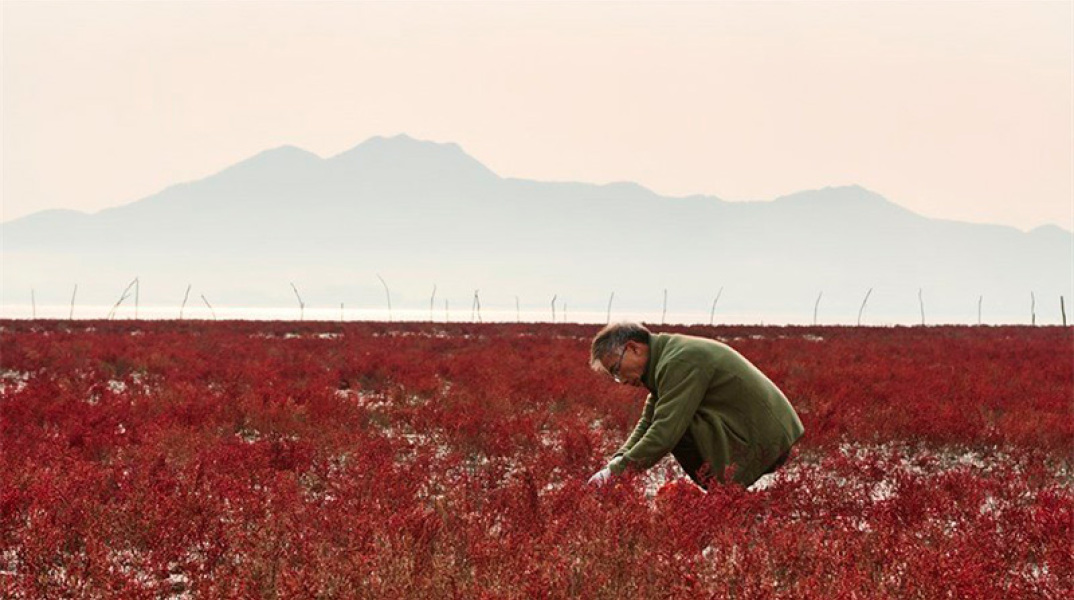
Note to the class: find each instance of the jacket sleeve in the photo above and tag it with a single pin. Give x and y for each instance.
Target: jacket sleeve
(639, 429)
(680, 390)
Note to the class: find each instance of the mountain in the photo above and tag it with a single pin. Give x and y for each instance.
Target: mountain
(422, 213)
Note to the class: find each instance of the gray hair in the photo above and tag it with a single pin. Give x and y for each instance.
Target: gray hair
(612, 339)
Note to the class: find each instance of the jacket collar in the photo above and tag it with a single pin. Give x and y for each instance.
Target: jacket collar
(657, 341)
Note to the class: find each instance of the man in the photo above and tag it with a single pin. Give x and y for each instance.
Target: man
(715, 412)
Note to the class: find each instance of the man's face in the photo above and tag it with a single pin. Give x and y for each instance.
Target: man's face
(628, 365)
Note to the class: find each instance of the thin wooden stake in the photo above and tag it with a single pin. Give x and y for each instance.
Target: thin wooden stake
(206, 301)
(609, 317)
(816, 305)
(553, 308)
(301, 304)
(72, 314)
(432, 299)
(1063, 309)
(183, 305)
(1033, 308)
(921, 301)
(124, 296)
(476, 306)
(862, 309)
(980, 300)
(388, 294)
(712, 313)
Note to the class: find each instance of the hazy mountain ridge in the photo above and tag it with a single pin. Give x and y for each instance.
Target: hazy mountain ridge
(427, 211)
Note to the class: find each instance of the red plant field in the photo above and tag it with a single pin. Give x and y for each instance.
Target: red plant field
(377, 460)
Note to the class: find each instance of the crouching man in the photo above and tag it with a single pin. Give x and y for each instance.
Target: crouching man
(712, 409)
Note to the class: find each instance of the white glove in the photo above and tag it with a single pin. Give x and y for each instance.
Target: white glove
(601, 477)
(604, 475)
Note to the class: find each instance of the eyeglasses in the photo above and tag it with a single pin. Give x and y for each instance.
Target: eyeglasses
(615, 368)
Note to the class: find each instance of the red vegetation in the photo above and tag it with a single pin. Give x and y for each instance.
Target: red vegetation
(293, 460)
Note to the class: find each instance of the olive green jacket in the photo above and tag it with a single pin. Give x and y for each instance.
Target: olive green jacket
(736, 416)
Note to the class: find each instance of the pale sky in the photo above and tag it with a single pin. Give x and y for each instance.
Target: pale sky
(955, 110)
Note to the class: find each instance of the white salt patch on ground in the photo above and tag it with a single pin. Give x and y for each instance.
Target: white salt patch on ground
(9, 562)
(426, 334)
(546, 439)
(306, 336)
(365, 399)
(885, 490)
(248, 435)
(13, 381)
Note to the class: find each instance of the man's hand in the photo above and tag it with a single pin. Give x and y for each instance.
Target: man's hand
(603, 476)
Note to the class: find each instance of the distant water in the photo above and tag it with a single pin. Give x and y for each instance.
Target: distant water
(201, 312)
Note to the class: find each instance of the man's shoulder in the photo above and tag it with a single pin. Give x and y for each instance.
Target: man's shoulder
(680, 347)
(679, 343)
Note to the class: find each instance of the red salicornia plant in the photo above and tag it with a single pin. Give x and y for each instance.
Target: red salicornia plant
(394, 460)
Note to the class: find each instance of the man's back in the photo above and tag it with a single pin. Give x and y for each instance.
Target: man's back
(742, 419)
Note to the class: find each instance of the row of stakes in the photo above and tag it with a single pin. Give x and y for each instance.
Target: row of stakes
(475, 307)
